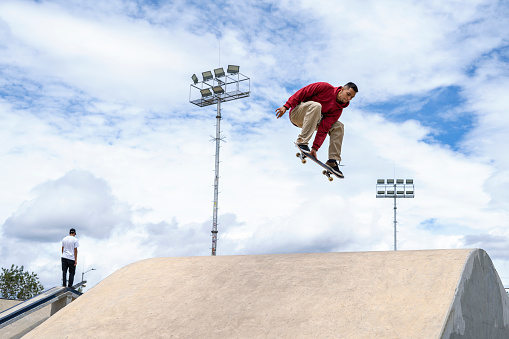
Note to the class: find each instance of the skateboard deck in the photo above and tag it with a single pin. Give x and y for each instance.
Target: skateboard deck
(326, 169)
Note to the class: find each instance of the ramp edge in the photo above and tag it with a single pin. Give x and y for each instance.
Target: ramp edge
(480, 307)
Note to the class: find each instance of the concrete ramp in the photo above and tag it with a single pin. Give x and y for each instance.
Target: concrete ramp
(404, 294)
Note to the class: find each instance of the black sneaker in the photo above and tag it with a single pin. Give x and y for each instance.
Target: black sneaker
(304, 148)
(333, 165)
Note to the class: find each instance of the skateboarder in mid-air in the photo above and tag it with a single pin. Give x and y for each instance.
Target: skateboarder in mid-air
(318, 107)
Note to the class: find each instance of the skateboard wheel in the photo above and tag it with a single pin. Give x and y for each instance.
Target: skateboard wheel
(297, 155)
(324, 172)
(304, 161)
(331, 178)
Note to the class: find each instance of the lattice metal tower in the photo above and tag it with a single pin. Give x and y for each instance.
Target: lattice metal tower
(214, 89)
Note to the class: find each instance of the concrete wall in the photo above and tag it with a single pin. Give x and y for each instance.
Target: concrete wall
(24, 325)
(8, 303)
(404, 294)
(481, 307)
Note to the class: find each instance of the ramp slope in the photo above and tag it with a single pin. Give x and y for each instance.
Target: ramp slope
(404, 294)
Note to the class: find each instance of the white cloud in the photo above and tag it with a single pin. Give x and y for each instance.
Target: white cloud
(111, 58)
(77, 200)
(395, 48)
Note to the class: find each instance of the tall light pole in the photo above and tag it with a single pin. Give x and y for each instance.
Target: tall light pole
(214, 89)
(395, 189)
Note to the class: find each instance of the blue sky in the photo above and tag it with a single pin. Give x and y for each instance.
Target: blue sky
(443, 110)
(98, 133)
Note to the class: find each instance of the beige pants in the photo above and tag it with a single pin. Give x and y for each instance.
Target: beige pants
(307, 115)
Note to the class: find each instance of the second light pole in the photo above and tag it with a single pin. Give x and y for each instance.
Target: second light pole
(398, 188)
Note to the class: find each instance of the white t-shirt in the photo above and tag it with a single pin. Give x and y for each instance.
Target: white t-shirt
(69, 243)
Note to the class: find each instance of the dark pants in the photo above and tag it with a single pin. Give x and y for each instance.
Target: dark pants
(68, 264)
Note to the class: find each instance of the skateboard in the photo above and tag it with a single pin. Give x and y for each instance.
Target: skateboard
(327, 172)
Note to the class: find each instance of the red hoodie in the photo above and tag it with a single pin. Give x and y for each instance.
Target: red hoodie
(326, 95)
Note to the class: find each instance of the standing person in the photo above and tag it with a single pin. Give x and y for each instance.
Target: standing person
(69, 256)
(318, 107)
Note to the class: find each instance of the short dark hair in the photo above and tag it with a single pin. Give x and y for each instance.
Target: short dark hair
(352, 86)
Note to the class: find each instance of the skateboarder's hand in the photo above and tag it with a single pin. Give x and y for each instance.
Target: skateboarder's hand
(313, 153)
(280, 112)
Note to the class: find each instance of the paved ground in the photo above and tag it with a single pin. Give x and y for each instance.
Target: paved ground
(403, 294)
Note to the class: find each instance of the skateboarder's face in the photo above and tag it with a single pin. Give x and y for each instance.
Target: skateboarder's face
(345, 95)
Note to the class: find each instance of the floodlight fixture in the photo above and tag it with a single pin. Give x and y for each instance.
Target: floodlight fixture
(205, 92)
(233, 69)
(207, 75)
(195, 79)
(218, 89)
(219, 72)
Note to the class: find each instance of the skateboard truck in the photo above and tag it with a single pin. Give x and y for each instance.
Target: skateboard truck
(327, 174)
(302, 157)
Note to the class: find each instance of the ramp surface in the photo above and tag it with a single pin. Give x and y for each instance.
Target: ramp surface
(404, 294)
